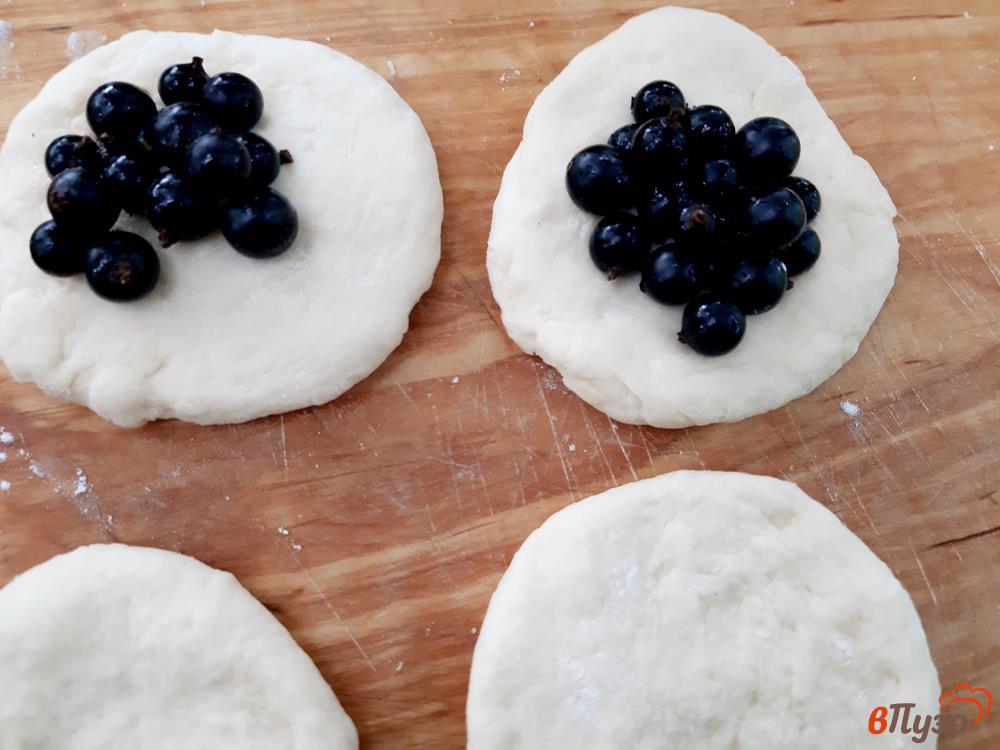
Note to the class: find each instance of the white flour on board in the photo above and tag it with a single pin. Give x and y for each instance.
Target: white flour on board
(4, 485)
(6, 437)
(9, 64)
(79, 43)
(849, 408)
(81, 486)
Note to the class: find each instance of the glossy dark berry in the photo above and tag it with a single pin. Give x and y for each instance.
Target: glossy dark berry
(712, 325)
(183, 82)
(233, 100)
(178, 210)
(117, 111)
(775, 219)
(80, 202)
(619, 245)
(801, 255)
(122, 266)
(69, 151)
(218, 163)
(621, 139)
(55, 251)
(599, 181)
(128, 178)
(808, 193)
(766, 151)
(265, 159)
(718, 180)
(697, 225)
(261, 226)
(710, 131)
(660, 209)
(755, 285)
(658, 99)
(175, 128)
(671, 276)
(659, 147)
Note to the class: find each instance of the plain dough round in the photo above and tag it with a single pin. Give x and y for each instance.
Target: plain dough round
(225, 338)
(618, 349)
(703, 610)
(111, 646)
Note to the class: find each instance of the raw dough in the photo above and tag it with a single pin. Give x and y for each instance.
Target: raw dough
(225, 338)
(111, 646)
(616, 348)
(703, 610)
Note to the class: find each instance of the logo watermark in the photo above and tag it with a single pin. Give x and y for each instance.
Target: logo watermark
(903, 718)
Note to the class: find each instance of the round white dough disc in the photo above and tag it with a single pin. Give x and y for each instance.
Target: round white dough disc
(111, 646)
(703, 610)
(615, 347)
(225, 338)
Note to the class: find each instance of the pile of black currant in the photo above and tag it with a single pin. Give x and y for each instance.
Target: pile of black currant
(710, 216)
(190, 167)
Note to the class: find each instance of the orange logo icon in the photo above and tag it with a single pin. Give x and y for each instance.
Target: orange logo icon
(902, 717)
(965, 693)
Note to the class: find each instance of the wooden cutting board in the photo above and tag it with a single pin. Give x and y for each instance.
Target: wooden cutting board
(376, 527)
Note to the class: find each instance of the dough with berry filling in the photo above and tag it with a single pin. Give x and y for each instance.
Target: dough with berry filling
(615, 347)
(226, 338)
(112, 646)
(708, 610)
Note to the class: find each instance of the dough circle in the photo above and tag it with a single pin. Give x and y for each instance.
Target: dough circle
(225, 338)
(616, 348)
(112, 646)
(704, 610)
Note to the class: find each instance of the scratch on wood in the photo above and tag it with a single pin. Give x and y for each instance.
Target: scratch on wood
(972, 311)
(555, 436)
(315, 587)
(284, 446)
(696, 452)
(967, 537)
(864, 508)
(923, 574)
(405, 393)
(621, 447)
(979, 248)
(598, 444)
(645, 445)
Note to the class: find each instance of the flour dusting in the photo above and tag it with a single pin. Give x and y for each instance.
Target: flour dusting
(3, 457)
(6, 437)
(81, 486)
(391, 67)
(4, 485)
(80, 43)
(850, 408)
(8, 62)
(508, 77)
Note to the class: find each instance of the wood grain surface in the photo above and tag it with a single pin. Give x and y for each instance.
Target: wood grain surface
(376, 527)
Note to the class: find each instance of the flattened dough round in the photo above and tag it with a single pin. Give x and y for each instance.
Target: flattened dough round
(618, 349)
(225, 338)
(111, 646)
(705, 610)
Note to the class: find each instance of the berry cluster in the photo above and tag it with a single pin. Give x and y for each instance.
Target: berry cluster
(710, 216)
(190, 167)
